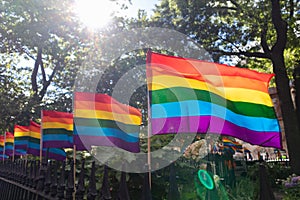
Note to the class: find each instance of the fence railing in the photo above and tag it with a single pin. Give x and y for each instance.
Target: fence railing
(23, 180)
(32, 180)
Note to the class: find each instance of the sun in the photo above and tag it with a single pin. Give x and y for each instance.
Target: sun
(95, 14)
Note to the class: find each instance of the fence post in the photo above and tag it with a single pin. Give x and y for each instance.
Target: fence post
(80, 186)
(41, 177)
(123, 193)
(61, 183)
(30, 174)
(48, 178)
(19, 166)
(70, 182)
(36, 174)
(26, 173)
(92, 194)
(30, 178)
(146, 193)
(173, 188)
(104, 191)
(53, 186)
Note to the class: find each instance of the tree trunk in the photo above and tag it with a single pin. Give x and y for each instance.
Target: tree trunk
(290, 121)
(296, 76)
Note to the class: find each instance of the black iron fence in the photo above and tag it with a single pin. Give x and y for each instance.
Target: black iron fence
(23, 180)
(32, 180)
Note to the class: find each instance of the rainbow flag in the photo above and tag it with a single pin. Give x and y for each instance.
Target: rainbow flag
(21, 134)
(226, 149)
(1, 144)
(231, 143)
(34, 144)
(193, 96)
(57, 128)
(9, 144)
(100, 120)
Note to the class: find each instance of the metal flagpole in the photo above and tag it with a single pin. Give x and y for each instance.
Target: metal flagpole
(74, 169)
(41, 138)
(4, 147)
(13, 156)
(149, 123)
(74, 150)
(149, 151)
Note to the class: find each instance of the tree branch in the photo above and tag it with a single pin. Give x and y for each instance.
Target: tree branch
(28, 54)
(47, 82)
(224, 8)
(43, 72)
(280, 27)
(241, 53)
(292, 9)
(263, 39)
(234, 3)
(230, 43)
(35, 71)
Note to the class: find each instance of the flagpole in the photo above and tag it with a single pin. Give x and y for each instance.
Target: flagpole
(149, 122)
(41, 138)
(74, 169)
(74, 149)
(4, 147)
(149, 152)
(13, 156)
(26, 159)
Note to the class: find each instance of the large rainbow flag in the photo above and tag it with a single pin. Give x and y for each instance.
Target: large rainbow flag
(34, 144)
(193, 96)
(9, 143)
(57, 128)
(100, 120)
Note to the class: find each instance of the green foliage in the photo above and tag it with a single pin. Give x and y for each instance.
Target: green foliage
(245, 189)
(292, 193)
(13, 98)
(227, 29)
(41, 47)
(278, 172)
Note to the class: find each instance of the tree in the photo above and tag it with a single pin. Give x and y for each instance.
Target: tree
(12, 96)
(247, 29)
(48, 35)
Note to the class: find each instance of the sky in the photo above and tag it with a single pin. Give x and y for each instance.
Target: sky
(146, 5)
(97, 13)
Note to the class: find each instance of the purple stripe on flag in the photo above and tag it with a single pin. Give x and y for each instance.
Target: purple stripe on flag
(22, 147)
(55, 156)
(9, 152)
(57, 144)
(36, 152)
(215, 125)
(85, 142)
